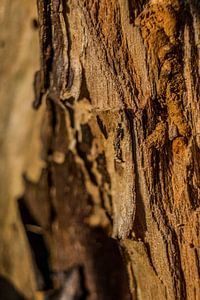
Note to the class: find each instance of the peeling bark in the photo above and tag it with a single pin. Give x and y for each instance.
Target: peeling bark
(118, 193)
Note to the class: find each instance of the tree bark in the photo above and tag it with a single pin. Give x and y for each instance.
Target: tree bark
(117, 199)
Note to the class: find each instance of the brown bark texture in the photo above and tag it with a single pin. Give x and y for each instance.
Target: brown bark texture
(110, 195)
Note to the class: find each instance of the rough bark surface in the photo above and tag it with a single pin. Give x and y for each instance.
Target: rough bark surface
(118, 193)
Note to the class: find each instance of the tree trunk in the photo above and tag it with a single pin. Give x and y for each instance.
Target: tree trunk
(114, 213)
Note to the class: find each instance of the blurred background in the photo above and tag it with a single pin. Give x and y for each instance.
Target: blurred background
(19, 123)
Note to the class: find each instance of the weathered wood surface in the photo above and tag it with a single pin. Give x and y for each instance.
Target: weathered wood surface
(120, 138)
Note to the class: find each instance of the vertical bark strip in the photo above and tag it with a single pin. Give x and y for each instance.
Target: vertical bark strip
(120, 81)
